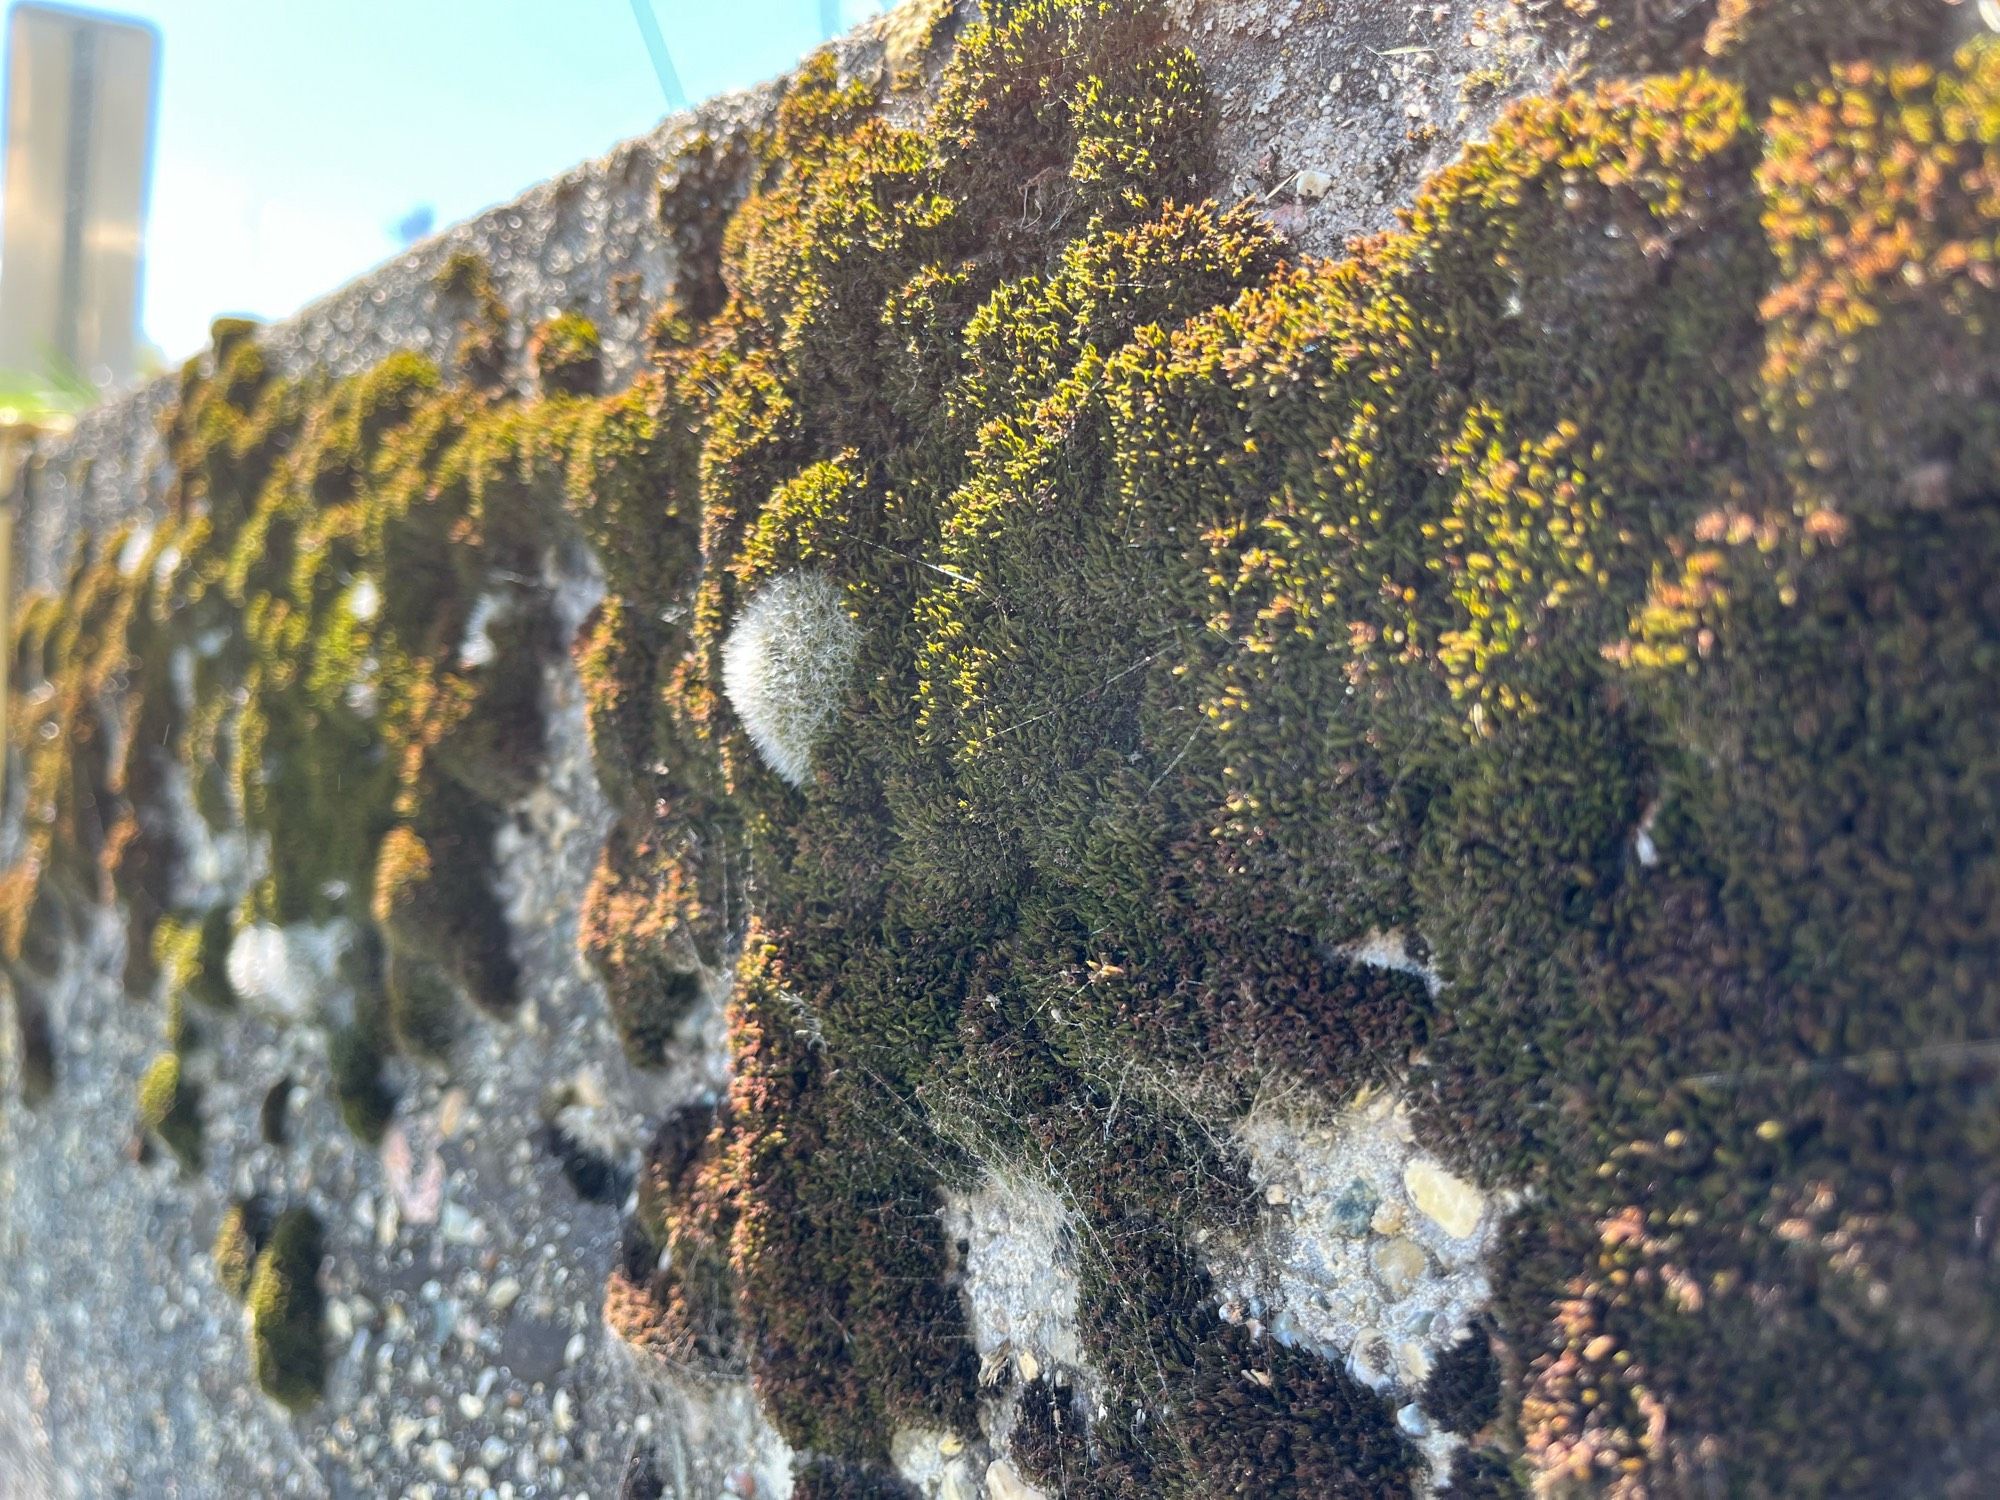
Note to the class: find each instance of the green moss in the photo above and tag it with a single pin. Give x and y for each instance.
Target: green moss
(466, 281)
(568, 355)
(357, 1055)
(436, 907)
(1589, 579)
(287, 1342)
(819, 1478)
(170, 1107)
(192, 956)
(672, 1292)
(239, 1239)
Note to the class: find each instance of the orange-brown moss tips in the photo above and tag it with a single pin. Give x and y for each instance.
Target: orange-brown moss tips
(1882, 340)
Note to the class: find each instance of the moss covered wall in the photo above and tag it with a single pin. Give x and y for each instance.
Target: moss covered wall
(1584, 592)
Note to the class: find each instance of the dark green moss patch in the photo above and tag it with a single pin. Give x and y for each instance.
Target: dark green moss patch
(1462, 1392)
(240, 1238)
(568, 355)
(170, 1107)
(822, 1478)
(287, 1343)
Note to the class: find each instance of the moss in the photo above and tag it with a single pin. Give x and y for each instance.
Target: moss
(821, 1478)
(439, 914)
(639, 933)
(466, 279)
(1880, 336)
(672, 1292)
(357, 1055)
(1589, 579)
(239, 1239)
(568, 355)
(170, 1107)
(35, 1038)
(192, 956)
(274, 1114)
(287, 1343)
(700, 190)
(424, 1014)
(1476, 1475)
(1050, 1444)
(848, 1325)
(1198, 1407)
(1773, 46)
(642, 1479)
(1462, 1392)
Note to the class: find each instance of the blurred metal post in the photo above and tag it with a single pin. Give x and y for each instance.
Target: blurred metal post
(656, 49)
(79, 122)
(6, 636)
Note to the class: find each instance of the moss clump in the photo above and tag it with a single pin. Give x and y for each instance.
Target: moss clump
(239, 1239)
(672, 1292)
(1772, 46)
(466, 279)
(438, 915)
(1589, 580)
(636, 934)
(1225, 1412)
(568, 355)
(192, 957)
(822, 1478)
(1881, 341)
(35, 1039)
(170, 1107)
(274, 1114)
(357, 1056)
(1462, 1392)
(838, 1264)
(287, 1343)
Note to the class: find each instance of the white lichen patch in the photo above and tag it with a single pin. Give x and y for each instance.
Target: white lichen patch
(786, 665)
(290, 972)
(937, 1465)
(478, 649)
(1389, 949)
(1004, 1482)
(364, 599)
(1368, 1250)
(1019, 1277)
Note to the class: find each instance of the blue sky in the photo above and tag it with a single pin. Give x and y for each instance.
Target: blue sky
(294, 135)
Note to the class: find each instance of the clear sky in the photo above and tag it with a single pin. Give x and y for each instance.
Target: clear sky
(294, 135)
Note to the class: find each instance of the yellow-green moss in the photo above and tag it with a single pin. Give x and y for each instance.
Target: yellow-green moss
(1590, 578)
(568, 355)
(170, 1107)
(239, 1239)
(287, 1342)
